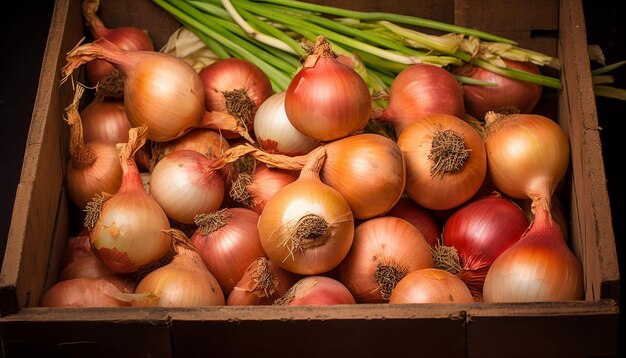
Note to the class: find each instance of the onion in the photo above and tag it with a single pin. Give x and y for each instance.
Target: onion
(420, 90)
(316, 290)
(76, 247)
(105, 291)
(237, 87)
(420, 217)
(430, 285)
(326, 99)
(477, 234)
(384, 250)
(126, 227)
(557, 211)
(94, 167)
(261, 284)
(105, 120)
(528, 155)
(160, 90)
(203, 140)
(186, 183)
(228, 242)
(445, 159)
(253, 190)
(307, 227)
(86, 266)
(275, 133)
(538, 268)
(507, 96)
(126, 37)
(183, 282)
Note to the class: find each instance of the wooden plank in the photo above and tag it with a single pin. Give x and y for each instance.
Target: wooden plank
(331, 331)
(576, 329)
(86, 333)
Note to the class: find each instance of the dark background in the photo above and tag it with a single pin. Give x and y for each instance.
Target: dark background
(22, 43)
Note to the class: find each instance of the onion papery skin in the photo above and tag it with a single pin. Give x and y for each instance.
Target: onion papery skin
(384, 250)
(420, 90)
(105, 120)
(527, 155)
(445, 181)
(261, 284)
(263, 183)
(96, 169)
(228, 248)
(538, 268)
(183, 282)
(275, 133)
(508, 96)
(88, 266)
(102, 291)
(430, 285)
(76, 247)
(420, 217)
(237, 87)
(368, 170)
(479, 232)
(316, 290)
(326, 99)
(186, 183)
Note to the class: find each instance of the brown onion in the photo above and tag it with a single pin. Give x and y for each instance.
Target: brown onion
(507, 96)
(422, 218)
(384, 250)
(262, 283)
(228, 242)
(307, 227)
(326, 99)
(430, 285)
(105, 291)
(421, 90)
(445, 161)
(203, 140)
(106, 120)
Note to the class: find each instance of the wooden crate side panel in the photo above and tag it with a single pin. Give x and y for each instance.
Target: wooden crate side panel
(580, 329)
(329, 331)
(593, 240)
(86, 333)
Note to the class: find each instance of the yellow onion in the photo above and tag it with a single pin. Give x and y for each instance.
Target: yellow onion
(430, 285)
(183, 282)
(307, 227)
(203, 140)
(126, 227)
(316, 290)
(103, 291)
(445, 160)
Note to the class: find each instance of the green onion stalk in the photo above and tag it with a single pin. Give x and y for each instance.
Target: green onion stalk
(277, 35)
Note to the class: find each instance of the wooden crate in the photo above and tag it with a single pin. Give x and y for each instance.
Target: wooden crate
(42, 220)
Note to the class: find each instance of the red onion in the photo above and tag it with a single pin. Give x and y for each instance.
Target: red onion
(316, 290)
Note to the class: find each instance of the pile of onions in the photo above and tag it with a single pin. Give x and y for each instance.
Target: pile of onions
(538, 268)
(126, 228)
(316, 290)
(127, 38)
(326, 99)
(446, 161)
(228, 242)
(253, 190)
(94, 167)
(237, 87)
(384, 250)
(420, 90)
(477, 234)
(104, 291)
(105, 119)
(507, 96)
(262, 283)
(422, 218)
(430, 285)
(307, 227)
(275, 133)
(183, 282)
(161, 91)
